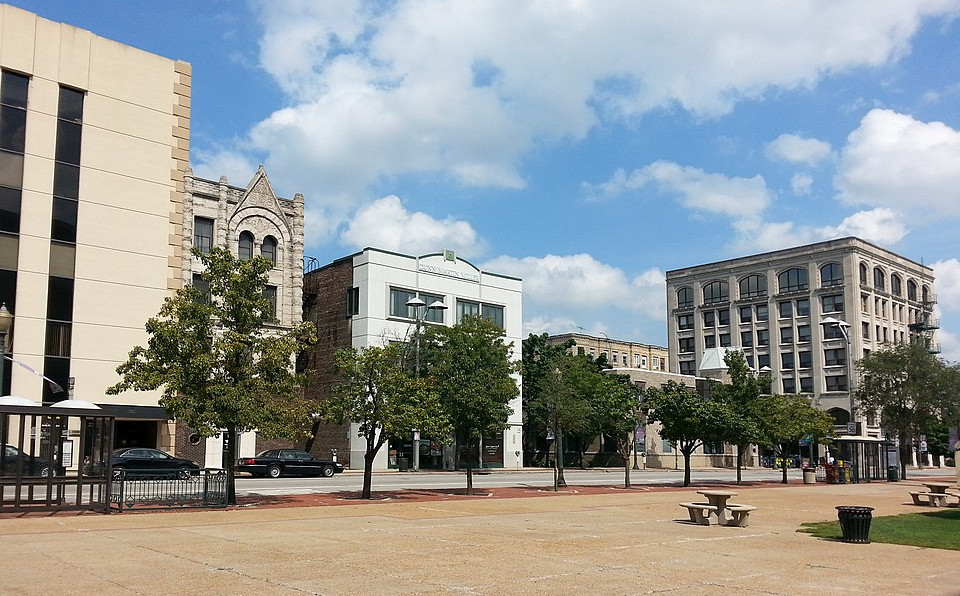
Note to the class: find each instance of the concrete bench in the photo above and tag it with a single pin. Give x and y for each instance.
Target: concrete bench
(932, 499)
(740, 514)
(700, 512)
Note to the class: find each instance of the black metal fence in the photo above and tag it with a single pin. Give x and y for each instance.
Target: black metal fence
(134, 489)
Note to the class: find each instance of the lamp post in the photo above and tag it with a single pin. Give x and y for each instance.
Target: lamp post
(844, 327)
(420, 309)
(6, 321)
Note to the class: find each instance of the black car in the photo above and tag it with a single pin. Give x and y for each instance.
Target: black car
(141, 461)
(14, 459)
(287, 462)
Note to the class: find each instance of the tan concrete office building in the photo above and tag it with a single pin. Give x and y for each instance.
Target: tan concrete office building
(94, 142)
(802, 315)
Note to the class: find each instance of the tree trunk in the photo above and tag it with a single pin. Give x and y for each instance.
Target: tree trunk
(626, 468)
(783, 465)
(686, 466)
(367, 491)
(560, 480)
(231, 466)
(904, 448)
(470, 474)
(739, 464)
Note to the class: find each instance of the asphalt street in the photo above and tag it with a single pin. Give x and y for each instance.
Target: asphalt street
(392, 480)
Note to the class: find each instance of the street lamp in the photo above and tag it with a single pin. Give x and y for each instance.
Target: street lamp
(844, 327)
(420, 309)
(6, 321)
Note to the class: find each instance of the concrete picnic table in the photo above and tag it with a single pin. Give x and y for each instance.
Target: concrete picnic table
(718, 498)
(937, 487)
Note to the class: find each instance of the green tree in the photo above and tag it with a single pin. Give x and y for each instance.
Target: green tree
(565, 394)
(538, 363)
(473, 374)
(903, 383)
(688, 420)
(617, 406)
(739, 396)
(222, 365)
(785, 420)
(375, 390)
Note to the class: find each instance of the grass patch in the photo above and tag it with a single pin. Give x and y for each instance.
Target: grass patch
(938, 529)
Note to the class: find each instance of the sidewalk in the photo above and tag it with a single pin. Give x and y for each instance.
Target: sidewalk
(615, 542)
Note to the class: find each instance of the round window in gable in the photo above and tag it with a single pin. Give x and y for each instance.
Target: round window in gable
(194, 439)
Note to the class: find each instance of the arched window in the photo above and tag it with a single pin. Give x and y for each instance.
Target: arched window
(879, 279)
(268, 249)
(926, 293)
(896, 285)
(716, 291)
(685, 297)
(793, 280)
(753, 286)
(911, 289)
(863, 274)
(831, 274)
(245, 246)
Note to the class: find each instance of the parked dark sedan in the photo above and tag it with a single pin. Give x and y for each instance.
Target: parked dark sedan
(14, 459)
(141, 461)
(287, 462)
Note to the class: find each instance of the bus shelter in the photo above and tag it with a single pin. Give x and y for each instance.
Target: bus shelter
(867, 458)
(53, 456)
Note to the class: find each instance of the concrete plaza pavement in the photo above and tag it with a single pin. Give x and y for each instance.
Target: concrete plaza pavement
(618, 542)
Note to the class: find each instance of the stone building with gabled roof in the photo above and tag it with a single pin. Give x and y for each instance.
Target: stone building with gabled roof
(248, 221)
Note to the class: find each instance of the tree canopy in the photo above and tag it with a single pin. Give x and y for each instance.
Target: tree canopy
(473, 375)
(688, 420)
(738, 396)
(376, 391)
(221, 362)
(909, 388)
(784, 420)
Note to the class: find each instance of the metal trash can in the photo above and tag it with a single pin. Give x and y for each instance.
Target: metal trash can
(809, 476)
(855, 523)
(893, 474)
(403, 464)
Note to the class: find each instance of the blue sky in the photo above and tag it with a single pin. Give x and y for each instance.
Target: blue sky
(587, 147)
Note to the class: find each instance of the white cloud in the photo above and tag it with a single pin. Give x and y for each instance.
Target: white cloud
(577, 286)
(796, 149)
(881, 226)
(734, 197)
(947, 273)
(552, 325)
(949, 346)
(466, 89)
(237, 167)
(387, 224)
(801, 184)
(895, 161)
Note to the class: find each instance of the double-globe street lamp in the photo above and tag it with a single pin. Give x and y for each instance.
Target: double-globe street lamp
(6, 321)
(420, 310)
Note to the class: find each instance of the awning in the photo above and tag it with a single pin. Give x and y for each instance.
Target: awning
(126, 412)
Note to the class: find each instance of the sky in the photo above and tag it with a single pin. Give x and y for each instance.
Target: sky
(585, 147)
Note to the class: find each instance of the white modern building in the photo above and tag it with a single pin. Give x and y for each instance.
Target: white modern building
(362, 300)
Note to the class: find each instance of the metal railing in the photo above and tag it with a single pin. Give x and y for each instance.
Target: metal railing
(146, 489)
